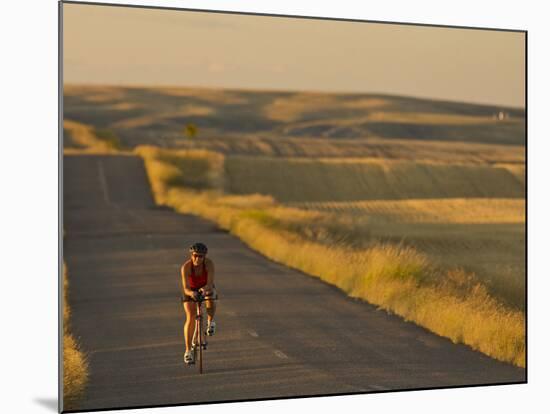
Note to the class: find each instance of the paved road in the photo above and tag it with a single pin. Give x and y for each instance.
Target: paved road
(281, 333)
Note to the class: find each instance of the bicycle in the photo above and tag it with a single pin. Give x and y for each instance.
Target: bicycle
(199, 342)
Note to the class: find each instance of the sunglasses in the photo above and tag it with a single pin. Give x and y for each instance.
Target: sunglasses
(198, 255)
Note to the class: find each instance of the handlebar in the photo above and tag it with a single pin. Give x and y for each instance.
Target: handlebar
(200, 298)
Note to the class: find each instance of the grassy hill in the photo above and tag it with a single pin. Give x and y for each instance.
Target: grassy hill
(157, 116)
(294, 180)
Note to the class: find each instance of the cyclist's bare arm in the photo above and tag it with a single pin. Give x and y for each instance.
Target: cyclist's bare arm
(185, 272)
(210, 279)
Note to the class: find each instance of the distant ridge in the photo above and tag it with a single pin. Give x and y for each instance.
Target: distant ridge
(141, 115)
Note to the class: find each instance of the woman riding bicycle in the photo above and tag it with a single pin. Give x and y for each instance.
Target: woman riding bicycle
(197, 276)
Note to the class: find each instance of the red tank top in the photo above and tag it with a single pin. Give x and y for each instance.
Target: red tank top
(196, 282)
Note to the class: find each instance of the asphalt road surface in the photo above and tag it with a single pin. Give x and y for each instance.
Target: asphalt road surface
(281, 333)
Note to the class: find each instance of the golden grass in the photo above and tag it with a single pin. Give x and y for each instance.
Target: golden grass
(483, 236)
(398, 278)
(198, 169)
(389, 149)
(125, 106)
(75, 364)
(517, 170)
(301, 180)
(215, 96)
(86, 139)
(293, 107)
(137, 122)
(152, 118)
(451, 210)
(198, 110)
(430, 118)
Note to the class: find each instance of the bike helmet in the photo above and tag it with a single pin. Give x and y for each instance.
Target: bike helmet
(198, 248)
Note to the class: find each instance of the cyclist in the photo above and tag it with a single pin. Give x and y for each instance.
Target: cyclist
(197, 275)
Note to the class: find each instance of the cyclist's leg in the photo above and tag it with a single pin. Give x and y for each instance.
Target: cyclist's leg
(211, 305)
(211, 311)
(189, 327)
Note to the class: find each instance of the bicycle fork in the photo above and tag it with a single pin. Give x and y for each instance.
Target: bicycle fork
(198, 336)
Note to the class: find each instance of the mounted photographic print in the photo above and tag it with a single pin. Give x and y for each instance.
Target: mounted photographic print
(258, 207)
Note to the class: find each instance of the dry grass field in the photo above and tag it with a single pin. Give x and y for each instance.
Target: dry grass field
(285, 123)
(483, 236)
(81, 138)
(336, 179)
(426, 198)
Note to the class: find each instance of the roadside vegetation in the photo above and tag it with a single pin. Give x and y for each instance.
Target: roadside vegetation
(75, 365)
(108, 138)
(81, 138)
(389, 272)
(484, 236)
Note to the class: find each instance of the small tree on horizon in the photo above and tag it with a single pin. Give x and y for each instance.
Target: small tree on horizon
(190, 130)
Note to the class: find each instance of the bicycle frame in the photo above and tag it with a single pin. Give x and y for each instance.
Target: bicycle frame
(199, 341)
(198, 336)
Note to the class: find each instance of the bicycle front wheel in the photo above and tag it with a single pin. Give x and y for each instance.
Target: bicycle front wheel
(200, 343)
